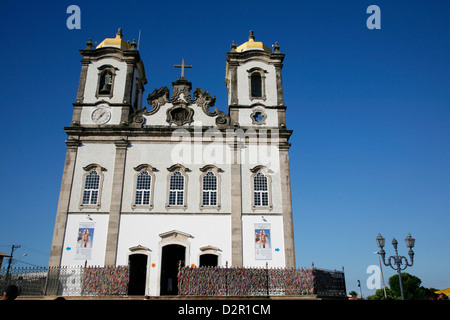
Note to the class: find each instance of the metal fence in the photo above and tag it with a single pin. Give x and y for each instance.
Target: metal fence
(197, 281)
(67, 281)
(214, 281)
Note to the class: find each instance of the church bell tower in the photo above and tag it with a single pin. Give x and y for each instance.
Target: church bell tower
(254, 84)
(111, 83)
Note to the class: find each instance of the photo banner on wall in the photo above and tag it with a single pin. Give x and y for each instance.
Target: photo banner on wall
(85, 240)
(263, 247)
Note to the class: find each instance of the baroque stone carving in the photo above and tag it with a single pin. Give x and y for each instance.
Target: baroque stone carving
(157, 98)
(204, 100)
(180, 114)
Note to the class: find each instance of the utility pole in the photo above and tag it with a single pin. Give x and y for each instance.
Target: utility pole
(13, 248)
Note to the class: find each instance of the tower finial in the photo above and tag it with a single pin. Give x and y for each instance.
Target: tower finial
(119, 33)
(251, 36)
(233, 46)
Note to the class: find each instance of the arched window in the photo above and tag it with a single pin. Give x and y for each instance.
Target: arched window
(209, 194)
(91, 188)
(210, 187)
(260, 190)
(176, 189)
(256, 85)
(143, 188)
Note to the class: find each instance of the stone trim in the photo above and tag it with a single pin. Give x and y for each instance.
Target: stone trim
(262, 73)
(260, 110)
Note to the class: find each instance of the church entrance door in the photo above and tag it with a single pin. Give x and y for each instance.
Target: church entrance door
(138, 274)
(171, 256)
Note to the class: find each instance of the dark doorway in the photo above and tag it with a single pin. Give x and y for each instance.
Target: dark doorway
(138, 274)
(171, 255)
(208, 260)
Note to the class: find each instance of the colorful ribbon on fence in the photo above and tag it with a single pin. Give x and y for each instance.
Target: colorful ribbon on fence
(112, 280)
(206, 281)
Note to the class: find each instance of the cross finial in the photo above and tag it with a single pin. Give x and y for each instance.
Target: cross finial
(182, 66)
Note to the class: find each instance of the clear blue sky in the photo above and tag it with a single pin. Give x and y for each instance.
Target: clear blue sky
(370, 111)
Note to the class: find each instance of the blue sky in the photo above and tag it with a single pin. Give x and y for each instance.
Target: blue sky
(369, 108)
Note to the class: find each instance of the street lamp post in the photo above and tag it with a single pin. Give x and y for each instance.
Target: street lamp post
(397, 262)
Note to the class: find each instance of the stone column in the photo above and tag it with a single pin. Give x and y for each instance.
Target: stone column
(63, 203)
(280, 99)
(234, 85)
(236, 207)
(116, 202)
(288, 226)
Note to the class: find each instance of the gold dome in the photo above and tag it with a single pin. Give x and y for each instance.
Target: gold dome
(251, 44)
(116, 42)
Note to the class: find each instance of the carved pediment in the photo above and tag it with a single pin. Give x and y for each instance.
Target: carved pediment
(182, 111)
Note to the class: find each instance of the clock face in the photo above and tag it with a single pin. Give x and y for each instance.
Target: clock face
(101, 115)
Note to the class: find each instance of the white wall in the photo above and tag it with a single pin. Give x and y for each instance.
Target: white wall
(144, 230)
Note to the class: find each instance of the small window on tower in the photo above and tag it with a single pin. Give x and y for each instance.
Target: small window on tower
(256, 83)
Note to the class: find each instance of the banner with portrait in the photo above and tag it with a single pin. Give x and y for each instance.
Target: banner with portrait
(85, 240)
(263, 246)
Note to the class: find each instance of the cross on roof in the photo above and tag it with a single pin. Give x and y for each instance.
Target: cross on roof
(182, 66)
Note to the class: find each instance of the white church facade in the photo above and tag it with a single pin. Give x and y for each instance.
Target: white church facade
(178, 181)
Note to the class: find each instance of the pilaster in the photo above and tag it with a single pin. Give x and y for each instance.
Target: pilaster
(116, 202)
(288, 225)
(63, 203)
(236, 207)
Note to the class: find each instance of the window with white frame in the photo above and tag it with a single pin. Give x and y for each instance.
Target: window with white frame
(260, 190)
(91, 192)
(209, 194)
(91, 188)
(143, 188)
(176, 189)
